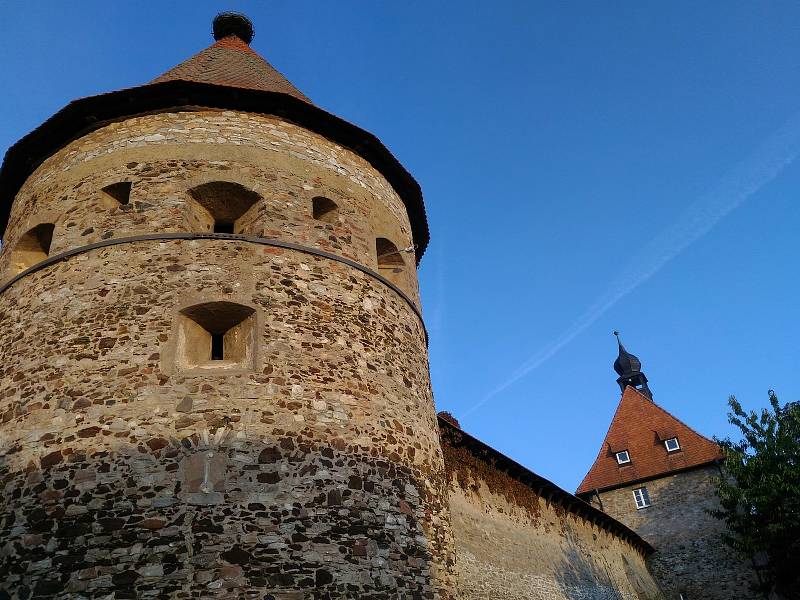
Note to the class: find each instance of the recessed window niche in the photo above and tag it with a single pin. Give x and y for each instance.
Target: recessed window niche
(216, 335)
(324, 209)
(119, 192)
(390, 260)
(222, 207)
(33, 247)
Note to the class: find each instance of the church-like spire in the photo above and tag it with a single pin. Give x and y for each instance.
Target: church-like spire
(629, 369)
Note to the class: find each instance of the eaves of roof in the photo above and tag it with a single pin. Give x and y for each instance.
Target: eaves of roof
(88, 114)
(588, 493)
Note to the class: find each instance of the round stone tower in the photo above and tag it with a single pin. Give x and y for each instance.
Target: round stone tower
(213, 368)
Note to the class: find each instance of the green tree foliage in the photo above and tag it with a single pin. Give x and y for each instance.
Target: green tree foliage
(760, 494)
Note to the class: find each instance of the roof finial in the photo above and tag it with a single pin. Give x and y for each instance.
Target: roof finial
(619, 342)
(230, 23)
(629, 369)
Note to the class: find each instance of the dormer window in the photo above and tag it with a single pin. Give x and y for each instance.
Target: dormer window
(672, 444)
(623, 458)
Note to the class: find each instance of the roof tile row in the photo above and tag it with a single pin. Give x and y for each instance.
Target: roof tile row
(640, 426)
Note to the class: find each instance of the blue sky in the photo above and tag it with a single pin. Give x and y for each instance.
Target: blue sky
(586, 167)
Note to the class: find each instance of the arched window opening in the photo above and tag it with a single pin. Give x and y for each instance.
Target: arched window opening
(216, 335)
(120, 192)
(223, 206)
(390, 260)
(324, 209)
(32, 248)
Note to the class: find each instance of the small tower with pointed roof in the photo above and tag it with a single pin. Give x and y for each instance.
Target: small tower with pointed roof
(656, 474)
(629, 369)
(213, 365)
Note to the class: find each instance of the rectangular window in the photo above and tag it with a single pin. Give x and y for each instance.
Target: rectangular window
(672, 444)
(623, 457)
(641, 497)
(217, 346)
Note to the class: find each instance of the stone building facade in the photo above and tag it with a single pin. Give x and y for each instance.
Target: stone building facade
(691, 559)
(656, 475)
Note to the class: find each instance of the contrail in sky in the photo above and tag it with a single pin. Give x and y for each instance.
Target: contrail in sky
(759, 168)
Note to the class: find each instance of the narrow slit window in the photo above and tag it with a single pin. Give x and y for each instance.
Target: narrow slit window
(623, 458)
(217, 346)
(33, 247)
(641, 497)
(121, 192)
(324, 209)
(672, 444)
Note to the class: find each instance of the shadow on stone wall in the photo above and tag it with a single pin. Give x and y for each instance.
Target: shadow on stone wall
(690, 552)
(191, 517)
(580, 577)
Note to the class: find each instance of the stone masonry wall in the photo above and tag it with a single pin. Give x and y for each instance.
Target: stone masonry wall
(327, 475)
(513, 544)
(690, 558)
(313, 471)
(167, 154)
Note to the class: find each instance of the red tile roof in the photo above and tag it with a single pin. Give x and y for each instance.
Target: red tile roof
(231, 62)
(640, 426)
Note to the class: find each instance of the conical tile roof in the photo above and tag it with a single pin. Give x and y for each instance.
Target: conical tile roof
(227, 75)
(640, 426)
(231, 62)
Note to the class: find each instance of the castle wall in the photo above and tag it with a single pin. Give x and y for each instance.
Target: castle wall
(513, 544)
(309, 467)
(690, 557)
